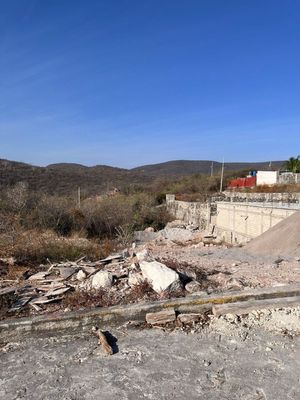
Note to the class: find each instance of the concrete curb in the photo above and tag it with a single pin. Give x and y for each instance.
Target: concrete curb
(83, 320)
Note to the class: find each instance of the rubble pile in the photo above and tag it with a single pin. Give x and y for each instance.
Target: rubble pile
(118, 273)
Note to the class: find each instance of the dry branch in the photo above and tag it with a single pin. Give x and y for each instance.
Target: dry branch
(107, 349)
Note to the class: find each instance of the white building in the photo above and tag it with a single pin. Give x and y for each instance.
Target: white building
(267, 177)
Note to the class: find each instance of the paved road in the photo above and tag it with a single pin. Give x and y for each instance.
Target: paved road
(152, 364)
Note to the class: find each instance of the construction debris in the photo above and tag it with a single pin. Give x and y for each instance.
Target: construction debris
(160, 277)
(161, 317)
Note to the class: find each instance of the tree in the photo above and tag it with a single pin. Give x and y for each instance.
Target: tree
(293, 164)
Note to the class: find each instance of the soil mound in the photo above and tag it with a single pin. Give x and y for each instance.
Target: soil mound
(282, 239)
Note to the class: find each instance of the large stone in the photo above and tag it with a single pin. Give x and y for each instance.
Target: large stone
(102, 279)
(160, 276)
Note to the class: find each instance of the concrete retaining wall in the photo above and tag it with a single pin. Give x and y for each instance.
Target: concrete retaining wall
(240, 222)
(262, 197)
(191, 212)
(237, 222)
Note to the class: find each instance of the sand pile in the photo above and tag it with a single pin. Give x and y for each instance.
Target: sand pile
(281, 240)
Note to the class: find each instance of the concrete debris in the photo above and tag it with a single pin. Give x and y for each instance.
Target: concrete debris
(144, 255)
(66, 272)
(81, 275)
(193, 287)
(189, 318)
(39, 276)
(135, 278)
(173, 261)
(161, 317)
(102, 279)
(160, 277)
(177, 234)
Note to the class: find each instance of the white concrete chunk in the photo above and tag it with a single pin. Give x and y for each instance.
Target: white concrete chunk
(160, 276)
(102, 279)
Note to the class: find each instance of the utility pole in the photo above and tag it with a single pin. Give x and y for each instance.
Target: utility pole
(222, 176)
(212, 169)
(78, 197)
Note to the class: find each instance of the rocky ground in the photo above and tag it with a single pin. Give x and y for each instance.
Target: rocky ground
(254, 358)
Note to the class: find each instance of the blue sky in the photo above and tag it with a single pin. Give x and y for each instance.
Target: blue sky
(127, 83)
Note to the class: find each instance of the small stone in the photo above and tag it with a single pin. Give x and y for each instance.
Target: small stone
(135, 278)
(143, 255)
(81, 275)
(149, 229)
(193, 287)
(269, 348)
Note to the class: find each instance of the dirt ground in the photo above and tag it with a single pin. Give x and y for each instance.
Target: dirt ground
(231, 267)
(257, 358)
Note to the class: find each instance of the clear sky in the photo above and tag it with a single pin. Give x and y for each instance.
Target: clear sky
(132, 82)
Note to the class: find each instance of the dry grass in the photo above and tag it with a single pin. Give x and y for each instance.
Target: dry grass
(34, 247)
(282, 188)
(84, 299)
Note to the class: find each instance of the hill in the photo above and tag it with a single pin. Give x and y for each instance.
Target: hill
(64, 178)
(187, 167)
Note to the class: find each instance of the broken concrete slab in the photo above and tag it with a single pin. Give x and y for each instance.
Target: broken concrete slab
(177, 234)
(39, 276)
(56, 292)
(160, 277)
(161, 317)
(189, 318)
(67, 272)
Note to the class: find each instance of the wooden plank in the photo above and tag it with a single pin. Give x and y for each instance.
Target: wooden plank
(161, 317)
(245, 307)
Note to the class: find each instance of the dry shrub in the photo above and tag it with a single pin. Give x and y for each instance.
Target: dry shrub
(121, 215)
(85, 299)
(36, 247)
(141, 291)
(280, 188)
(6, 302)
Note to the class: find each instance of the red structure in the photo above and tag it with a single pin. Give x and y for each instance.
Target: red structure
(242, 182)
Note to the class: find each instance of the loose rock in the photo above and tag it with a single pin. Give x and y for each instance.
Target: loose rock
(102, 279)
(160, 276)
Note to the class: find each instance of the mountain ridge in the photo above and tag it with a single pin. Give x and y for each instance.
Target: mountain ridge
(64, 178)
